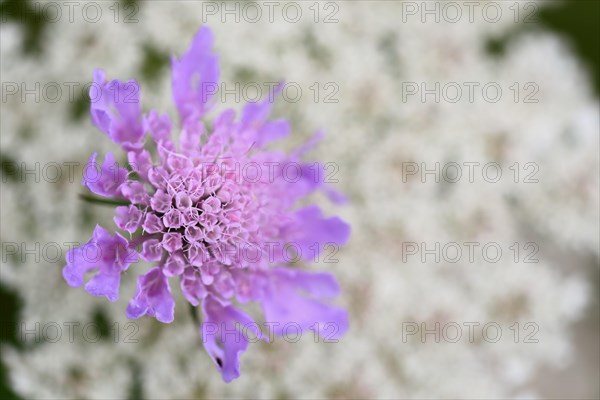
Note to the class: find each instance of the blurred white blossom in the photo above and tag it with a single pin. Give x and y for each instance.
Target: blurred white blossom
(371, 131)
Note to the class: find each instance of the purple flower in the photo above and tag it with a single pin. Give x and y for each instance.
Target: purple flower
(106, 180)
(226, 333)
(109, 255)
(310, 227)
(214, 209)
(196, 76)
(304, 306)
(116, 110)
(128, 218)
(153, 297)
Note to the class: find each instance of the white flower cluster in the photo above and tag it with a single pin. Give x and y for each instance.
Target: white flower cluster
(421, 176)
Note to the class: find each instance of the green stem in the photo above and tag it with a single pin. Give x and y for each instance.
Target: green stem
(103, 201)
(194, 314)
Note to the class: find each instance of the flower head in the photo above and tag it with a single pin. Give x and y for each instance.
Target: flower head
(214, 209)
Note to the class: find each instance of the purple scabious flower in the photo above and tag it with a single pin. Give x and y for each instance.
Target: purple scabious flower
(214, 209)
